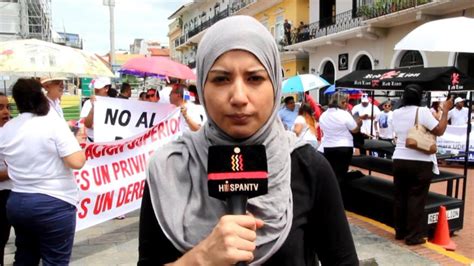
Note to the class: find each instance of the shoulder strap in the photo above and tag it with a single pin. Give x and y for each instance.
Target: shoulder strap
(416, 116)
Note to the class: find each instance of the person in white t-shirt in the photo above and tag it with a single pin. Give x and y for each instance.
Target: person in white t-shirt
(364, 111)
(5, 182)
(305, 126)
(337, 143)
(384, 127)
(101, 86)
(54, 87)
(459, 114)
(40, 150)
(413, 169)
(191, 114)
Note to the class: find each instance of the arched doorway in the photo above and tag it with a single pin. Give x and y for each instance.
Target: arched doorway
(411, 59)
(328, 72)
(328, 75)
(363, 63)
(465, 63)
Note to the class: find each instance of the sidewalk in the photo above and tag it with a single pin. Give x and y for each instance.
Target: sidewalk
(116, 243)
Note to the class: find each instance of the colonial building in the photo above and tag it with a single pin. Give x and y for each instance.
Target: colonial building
(190, 22)
(343, 36)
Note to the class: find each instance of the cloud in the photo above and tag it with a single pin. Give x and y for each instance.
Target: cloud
(147, 19)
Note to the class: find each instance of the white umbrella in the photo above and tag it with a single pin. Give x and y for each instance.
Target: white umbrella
(39, 58)
(443, 35)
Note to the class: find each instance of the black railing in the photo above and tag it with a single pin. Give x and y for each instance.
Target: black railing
(234, 7)
(384, 7)
(340, 22)
(206, 24)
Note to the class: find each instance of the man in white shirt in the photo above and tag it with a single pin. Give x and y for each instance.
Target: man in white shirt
(459, 114)
(54, 87)
(191, 115)
(101, 86)
(364, 112)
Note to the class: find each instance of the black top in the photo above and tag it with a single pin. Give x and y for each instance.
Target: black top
(320, 228)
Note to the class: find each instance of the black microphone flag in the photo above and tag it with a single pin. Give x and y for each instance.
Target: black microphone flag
(237, 170)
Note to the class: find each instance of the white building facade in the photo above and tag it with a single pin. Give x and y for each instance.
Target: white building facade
(344, 36)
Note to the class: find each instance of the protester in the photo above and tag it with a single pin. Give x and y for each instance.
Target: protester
(337, 143)
(125, 91)
(40, 151)
(142, 96)
(5, 183)
(112, 93)
(384, 126)
(239, 84)
(436, 110)
(412, 169)
(152, 95)
(101, 87)
(364, 111)
(54, 87)
(192, 116)
(305, 125)
(459, 114)
(289, 112)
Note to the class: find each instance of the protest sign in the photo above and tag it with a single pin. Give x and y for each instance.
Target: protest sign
(111, 182)
(116, 118)
(453, 141)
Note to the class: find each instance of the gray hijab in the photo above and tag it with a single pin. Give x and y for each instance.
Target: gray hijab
(177, 174)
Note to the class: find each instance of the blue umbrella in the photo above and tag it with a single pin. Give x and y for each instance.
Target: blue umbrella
(302, 83)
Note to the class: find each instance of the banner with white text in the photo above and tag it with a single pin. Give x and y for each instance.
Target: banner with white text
(453, 141)
(111, 182)
(116, 118)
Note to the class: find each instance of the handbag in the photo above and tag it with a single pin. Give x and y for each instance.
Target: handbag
(420, 138)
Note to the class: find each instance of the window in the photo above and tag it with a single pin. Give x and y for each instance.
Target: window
(364, 63)
(411, 59)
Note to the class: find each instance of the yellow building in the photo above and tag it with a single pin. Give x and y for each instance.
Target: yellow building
(295, 11)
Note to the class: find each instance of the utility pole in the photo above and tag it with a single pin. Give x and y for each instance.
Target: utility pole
(111, 5)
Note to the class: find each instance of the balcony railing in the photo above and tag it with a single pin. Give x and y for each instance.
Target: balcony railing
(206, 24)
(384, 7)
(341, 22)
(231, 9)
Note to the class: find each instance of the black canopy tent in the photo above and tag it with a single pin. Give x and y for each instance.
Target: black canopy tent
(448, 79)
(430, 78)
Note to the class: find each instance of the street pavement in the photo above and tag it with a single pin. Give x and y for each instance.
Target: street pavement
(116, 243)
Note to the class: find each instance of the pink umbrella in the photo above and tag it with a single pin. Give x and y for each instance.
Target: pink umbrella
(157, 66)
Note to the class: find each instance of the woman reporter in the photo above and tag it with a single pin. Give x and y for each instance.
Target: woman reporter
(239, 85)
(40, 150)
(413, 169)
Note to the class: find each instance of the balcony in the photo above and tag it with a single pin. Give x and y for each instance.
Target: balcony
(240, 7)
(341, 22)
(382, 8)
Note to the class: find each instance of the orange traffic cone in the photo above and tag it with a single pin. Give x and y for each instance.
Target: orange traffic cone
(441, 235)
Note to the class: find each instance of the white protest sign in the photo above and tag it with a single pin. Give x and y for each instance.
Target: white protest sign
(111, 182)
(454, 139)
(116, 118)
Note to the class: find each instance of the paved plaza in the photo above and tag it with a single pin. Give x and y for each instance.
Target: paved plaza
(115, 243)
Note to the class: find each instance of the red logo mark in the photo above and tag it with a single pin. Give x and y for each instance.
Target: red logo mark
(455, 79)
(375, 83)
(390, 74)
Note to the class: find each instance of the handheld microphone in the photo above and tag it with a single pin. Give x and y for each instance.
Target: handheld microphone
(235, 174)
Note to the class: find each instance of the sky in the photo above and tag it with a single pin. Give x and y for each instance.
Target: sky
(145, 19)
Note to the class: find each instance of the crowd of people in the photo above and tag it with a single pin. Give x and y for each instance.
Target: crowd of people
(238, 102)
